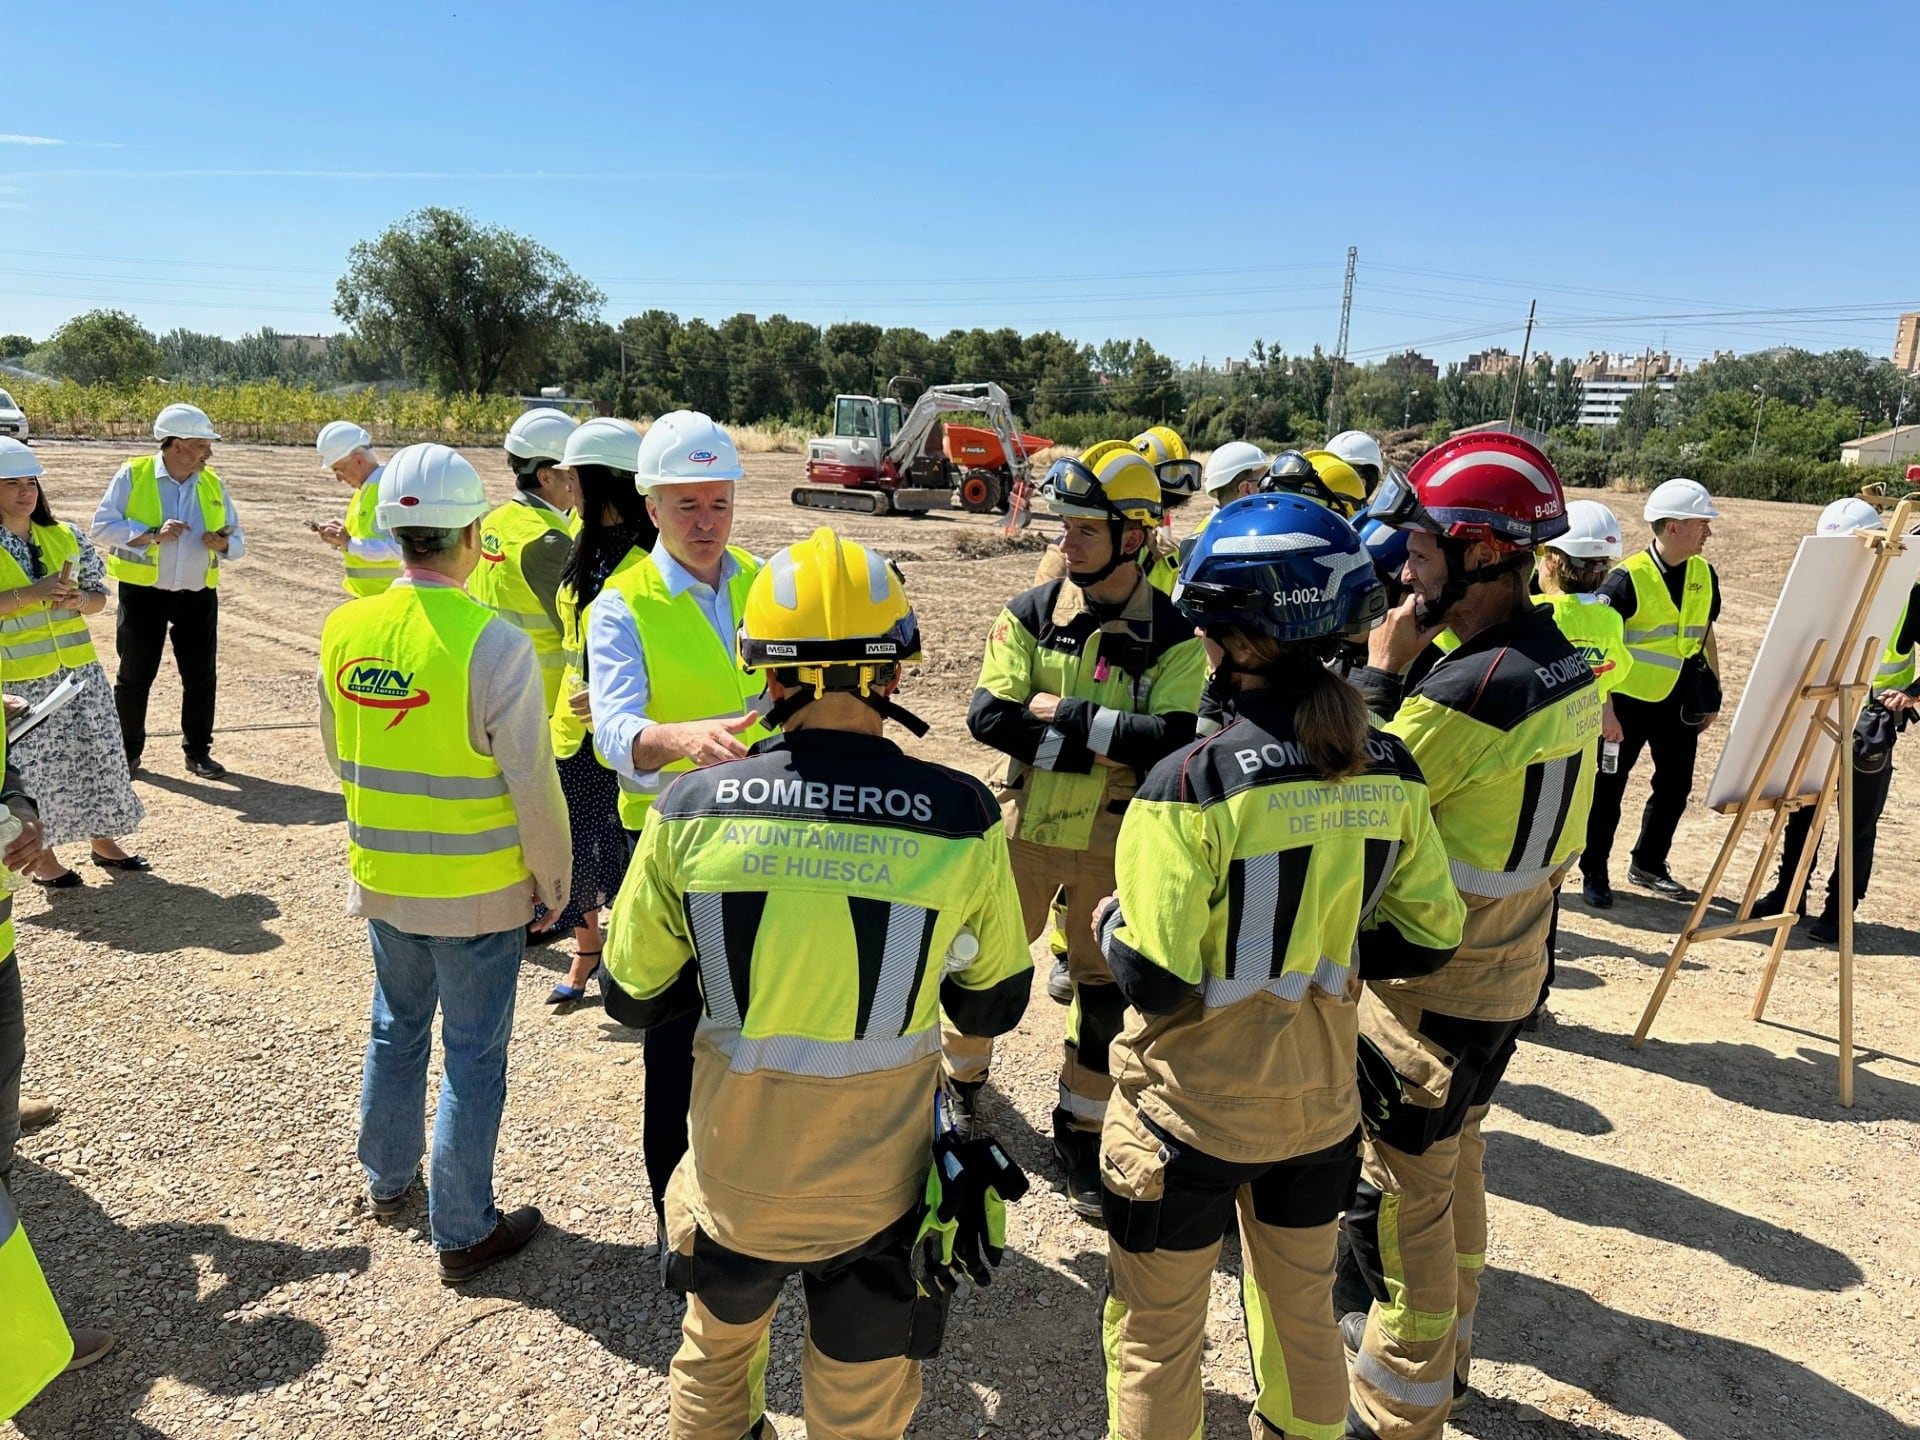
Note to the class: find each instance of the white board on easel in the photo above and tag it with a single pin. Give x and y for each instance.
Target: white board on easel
(1823, 587)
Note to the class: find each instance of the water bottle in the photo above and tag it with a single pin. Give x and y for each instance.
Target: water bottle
(1609, 756)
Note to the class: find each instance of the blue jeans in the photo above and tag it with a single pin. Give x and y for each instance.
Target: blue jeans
(472, 980)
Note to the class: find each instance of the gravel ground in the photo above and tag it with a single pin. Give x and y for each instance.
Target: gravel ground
(1689, 1240)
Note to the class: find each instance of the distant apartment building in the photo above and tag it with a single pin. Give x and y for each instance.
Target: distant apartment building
(1497, 361)
(1608, 381)
(1906, 343)
(1412, 362)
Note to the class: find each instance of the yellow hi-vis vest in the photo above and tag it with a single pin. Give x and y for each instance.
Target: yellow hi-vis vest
(41, 638)
(1593, 628)
(499, 583)
(366, 577)
(34, 1343)
(1661, 638)
(1896, 666)
(142, 567)
(691, 673)
(428, 816)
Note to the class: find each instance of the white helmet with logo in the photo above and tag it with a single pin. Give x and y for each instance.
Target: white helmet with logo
(605, 441)
(1235, 460)
(540, 434)
(338, 439)
(17, 461)
(1843, 517)
(430, 487)
(1592, 532)
(684, 447)
(1359, 449)
(1680, 500)
(183, 422)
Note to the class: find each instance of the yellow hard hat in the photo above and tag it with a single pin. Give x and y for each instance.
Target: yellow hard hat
(1110, 481)
(1343, 482)
(1176, 470)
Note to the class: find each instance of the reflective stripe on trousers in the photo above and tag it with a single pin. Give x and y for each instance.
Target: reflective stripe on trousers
(825, 1059)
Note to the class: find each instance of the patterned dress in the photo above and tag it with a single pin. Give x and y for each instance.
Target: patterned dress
(74, 765)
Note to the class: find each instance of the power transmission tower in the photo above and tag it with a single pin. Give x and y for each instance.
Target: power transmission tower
(1340, 347)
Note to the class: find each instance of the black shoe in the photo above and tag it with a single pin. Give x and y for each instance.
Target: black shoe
(206, 767)
(509, 1237)
(1059, 982)
(1660, 881)
(1597, 892)
(385, 1207)
(1078, 1152)
(1824, 927)
(136, 863)
(1774, 902)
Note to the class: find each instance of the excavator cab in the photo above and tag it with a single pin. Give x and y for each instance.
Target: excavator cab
(861, 417)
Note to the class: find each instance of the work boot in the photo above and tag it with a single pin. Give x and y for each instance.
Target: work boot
(1078, 1152)
(385, 1207)
(37, 1114)
(1059, 982)
(1597, 891)
(1824, 927)
(510, 1236)
(1659, 880)
(1353, 1332)
(205, 766)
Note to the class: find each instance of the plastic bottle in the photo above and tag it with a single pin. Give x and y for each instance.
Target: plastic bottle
(10, 880)
(1609, 756)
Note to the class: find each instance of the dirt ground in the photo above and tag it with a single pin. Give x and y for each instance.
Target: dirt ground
(1690, 1240)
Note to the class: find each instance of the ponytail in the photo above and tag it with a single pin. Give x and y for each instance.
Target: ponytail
(1329, 716)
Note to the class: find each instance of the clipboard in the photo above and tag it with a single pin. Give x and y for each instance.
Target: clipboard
(57, 699)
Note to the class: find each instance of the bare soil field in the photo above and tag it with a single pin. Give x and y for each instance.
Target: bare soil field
(1691, 1240)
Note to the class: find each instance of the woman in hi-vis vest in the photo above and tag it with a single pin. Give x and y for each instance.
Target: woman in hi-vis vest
(51, 579)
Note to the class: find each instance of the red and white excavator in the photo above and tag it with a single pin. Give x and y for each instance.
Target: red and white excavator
(888, 455)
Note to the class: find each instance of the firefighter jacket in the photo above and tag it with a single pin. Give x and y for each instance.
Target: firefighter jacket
(805, 899)
(1254, 896)
(1129, 684)
(1506, 729)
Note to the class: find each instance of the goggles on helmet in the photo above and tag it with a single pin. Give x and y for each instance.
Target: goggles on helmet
(1291, 473)
(1178, 477)
(1396, 504)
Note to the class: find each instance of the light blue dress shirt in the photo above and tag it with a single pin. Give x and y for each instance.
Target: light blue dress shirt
(183, 561)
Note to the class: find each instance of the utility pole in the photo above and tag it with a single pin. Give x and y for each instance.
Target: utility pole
(1520, 374)
(1759, 409)
(1340, 347)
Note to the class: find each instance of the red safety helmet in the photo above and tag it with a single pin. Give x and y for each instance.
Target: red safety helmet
(1487, 486)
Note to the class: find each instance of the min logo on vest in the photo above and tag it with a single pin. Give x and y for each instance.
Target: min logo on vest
(491, 550)
(379, 685)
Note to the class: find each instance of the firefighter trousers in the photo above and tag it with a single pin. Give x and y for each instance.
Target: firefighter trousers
(1080, 880)
(1418, 1224)
(868, 1329)
(1165, 1221)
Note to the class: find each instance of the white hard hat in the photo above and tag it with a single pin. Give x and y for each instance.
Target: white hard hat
(684, 447)
(1843, 517)
(1231, 461)
(612, 443)
(1357, 448)
(183, 422)
(338, 439)
(429, 487)
(17, 460)
(540, 434)
(1680, 500)
(1592, 532)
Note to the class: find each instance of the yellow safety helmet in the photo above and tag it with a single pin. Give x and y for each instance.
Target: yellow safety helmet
(1173, 465)
(835, 613)
(1110, 481)
(1339, 486)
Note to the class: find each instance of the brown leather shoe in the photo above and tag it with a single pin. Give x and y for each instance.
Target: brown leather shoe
(36, 1114)
(510, 1236)
(88, 1346)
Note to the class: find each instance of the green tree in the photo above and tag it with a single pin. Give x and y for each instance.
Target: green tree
(101, 345)
(467, 307)
(12, 347)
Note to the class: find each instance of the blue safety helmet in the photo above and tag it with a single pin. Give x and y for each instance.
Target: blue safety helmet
(1283, 566)
(1387, 546)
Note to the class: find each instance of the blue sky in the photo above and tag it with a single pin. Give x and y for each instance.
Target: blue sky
(1704, 176)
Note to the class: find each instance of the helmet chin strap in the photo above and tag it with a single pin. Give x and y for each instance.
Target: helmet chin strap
(803, 695)
(1434, 612)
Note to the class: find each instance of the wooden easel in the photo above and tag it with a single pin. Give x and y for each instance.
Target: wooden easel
(1834, 685)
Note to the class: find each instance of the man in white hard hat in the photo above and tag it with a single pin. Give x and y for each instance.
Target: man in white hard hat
(524, 543)
(1233, 470)
(169, 525)
(371, 558)
(666, 690)
(1895, 699)
(1667, 598)
(430, 714)
(1362, 452)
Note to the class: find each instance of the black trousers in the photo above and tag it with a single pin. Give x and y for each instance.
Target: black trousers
(1654, 726)
(142, 623)
(667, 1052)
(1870, 788)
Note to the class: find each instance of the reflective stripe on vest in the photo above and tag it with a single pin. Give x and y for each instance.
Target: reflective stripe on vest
(142, 567)
(41, 639)
(691, 673)
(428, 816)
(1660, 636)
(500, 582)
(363, 576)
(34, 1343)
